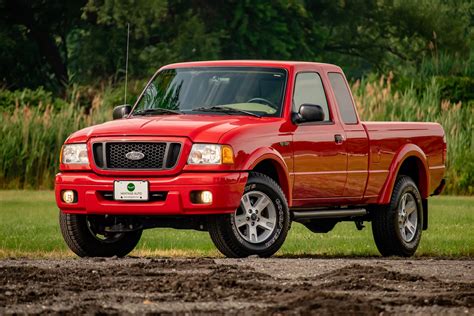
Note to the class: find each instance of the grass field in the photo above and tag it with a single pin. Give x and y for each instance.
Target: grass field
(29, 228)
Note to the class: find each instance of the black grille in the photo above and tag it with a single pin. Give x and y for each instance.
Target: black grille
(156, 155)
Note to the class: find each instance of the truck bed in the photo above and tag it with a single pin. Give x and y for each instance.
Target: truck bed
(386, 139)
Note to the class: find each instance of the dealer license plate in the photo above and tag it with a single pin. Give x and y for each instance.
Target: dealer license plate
(131, 190)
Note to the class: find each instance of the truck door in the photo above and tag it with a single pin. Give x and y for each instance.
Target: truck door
(320, 157)
(356, 141)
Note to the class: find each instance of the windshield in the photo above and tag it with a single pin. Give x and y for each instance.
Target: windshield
(220, 90)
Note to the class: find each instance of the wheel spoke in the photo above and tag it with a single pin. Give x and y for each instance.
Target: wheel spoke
(411, 227)
(240, 220)
(262, 203)
(266, 225)
(410, 207)
(245, 202)
(404, 202)
(403, 232)
(253, 233)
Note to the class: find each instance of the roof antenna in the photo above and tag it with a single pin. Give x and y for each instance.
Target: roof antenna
(126, 64)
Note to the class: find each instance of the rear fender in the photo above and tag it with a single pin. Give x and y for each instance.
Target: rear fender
(407, 151)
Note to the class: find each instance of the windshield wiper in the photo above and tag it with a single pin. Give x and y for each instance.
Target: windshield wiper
(224, 109)
(156, 111)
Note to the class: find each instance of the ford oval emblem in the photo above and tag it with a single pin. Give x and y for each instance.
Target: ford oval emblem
(135, 155)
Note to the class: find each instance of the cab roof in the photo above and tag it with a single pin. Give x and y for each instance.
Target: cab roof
(254, 63)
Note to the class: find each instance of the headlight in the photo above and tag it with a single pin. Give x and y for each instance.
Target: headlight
(74, 154)
(210, 154)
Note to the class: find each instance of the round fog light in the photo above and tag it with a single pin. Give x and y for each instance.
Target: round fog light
(206, 197)
(68, 196)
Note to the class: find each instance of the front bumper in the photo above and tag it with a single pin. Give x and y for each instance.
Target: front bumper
(227, 189)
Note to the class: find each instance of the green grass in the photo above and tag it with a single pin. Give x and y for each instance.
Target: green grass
(29, 227)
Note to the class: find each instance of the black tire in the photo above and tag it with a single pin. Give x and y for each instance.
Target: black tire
(229, 242)
(386, 226)
(83, 242)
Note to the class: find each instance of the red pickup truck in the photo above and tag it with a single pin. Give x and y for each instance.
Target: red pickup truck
(241, 149)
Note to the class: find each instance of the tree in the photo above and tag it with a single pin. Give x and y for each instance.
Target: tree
(46, 23)
(55, 43)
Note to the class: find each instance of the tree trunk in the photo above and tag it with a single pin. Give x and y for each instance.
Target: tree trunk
(50, 51)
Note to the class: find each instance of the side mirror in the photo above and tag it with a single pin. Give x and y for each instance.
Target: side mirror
(309, 113)
(121, 111)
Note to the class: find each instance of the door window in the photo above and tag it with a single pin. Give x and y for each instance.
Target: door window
(309, 89)
(343, 98)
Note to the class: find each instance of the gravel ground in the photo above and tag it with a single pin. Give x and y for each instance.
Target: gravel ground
(237, 286)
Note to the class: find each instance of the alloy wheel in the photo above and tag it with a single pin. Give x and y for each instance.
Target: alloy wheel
(407, 217)
(256, 217)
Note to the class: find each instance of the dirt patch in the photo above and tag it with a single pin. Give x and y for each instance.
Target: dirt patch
(250, 286)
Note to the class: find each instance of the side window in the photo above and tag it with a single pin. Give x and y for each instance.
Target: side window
(309, 89)
(343, 98)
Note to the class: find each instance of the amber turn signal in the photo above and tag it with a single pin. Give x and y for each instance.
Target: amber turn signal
(227, 154)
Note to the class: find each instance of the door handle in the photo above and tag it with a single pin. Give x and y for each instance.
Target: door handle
(339, 139)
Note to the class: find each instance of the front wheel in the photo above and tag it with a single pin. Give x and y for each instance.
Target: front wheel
(397, 229)
(259, 226)
(85, 236)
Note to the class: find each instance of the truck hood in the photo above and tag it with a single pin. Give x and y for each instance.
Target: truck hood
(198, 128)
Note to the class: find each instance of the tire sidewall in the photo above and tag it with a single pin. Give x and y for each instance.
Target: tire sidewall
(79, 238)
(282, 218)
(408, 187)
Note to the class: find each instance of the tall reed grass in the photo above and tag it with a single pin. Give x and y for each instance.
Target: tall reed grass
(31, 137)
(31, 140)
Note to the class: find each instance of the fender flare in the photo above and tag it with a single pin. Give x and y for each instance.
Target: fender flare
(407, 151)
(268, 153)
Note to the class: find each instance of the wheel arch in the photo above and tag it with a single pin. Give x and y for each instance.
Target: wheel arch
(272, 164)
(410, 161)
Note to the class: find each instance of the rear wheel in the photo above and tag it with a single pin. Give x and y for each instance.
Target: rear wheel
(259, 226)
(397, 229)
(86, 238)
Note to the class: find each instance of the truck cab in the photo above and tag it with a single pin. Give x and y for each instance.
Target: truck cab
(241, 149)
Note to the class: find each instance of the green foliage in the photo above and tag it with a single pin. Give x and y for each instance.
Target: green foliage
(456, 89)
(27, 97)
(58, 43)
(453, 74)
(267, 30)
(188, 40)
(143, 14)
(442, 64)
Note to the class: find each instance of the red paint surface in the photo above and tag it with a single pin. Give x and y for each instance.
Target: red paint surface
(312, 169)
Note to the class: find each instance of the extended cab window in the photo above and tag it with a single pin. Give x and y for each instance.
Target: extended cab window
(343, 98)
(309, 90)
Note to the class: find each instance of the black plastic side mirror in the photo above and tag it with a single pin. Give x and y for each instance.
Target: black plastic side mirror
(309, 113)
(121, 111)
